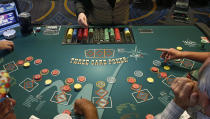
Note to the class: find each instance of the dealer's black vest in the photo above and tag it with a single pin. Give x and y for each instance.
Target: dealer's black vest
(103, 13)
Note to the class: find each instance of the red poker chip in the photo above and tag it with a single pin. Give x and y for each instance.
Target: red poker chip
(66, 88)
(163, 74)
(149, 116)
(37, 77)
(67, 112)
(20, 62)
(69, 80)
(154, 69)
(38, 61)
(135, 86)
(131, 80)
(30, 58)
(81, 78)
(45, 71)
(55, 72)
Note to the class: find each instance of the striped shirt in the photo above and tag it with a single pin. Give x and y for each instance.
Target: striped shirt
(173, 111)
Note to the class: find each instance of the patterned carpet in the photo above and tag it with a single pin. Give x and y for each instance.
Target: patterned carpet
(56, 12)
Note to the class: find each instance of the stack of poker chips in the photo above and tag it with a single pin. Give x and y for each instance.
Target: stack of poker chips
(25, 22)
(117, 35)
(98, 35)
(69, 35)
(4, 84)
(9, 34)
(204, 42)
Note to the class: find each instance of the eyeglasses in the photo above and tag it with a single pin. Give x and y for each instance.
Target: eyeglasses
(8, 104)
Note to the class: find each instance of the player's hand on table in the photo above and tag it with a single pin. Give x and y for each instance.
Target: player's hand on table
(86, 108)
(169, 54)
(6, 45)
(185, 91)
(82, 20)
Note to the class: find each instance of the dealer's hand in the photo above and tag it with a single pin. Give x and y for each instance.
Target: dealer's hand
(185, 91)
(6, 45)
(82, 20)
(169, 54)
(86, 108)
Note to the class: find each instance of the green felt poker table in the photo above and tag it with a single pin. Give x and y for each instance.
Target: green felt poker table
(106, 67)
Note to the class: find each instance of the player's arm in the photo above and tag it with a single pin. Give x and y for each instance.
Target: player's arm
(172, 111)
(169, 54)
(198, 56)
(79, 7)
(86, 108)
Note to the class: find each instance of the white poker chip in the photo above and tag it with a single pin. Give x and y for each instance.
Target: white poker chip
(156, 63)
(9, 34)
(38, 28)
(138, 73)
(62, 116)
(33, 117)
(111, 79)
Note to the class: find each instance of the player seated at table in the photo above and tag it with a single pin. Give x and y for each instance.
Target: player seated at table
(6, 45)
(192, 96)
(102, 12)
(170, 54)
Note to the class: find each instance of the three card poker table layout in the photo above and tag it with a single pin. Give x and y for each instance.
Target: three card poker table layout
(125, 79)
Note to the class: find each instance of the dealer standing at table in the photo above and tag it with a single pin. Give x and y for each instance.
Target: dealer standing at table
(102, 12)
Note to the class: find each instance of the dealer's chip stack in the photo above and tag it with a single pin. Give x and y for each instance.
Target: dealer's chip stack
(79, 35)
(99, 35)
(106, 35)
(74, 37)
(85, 36)
(69, 35)
(112, 35)
(91, 35)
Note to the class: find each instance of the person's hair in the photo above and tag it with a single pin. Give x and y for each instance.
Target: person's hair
(204, 82)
